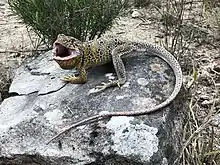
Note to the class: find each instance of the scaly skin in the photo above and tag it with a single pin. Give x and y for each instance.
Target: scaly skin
(99, 52)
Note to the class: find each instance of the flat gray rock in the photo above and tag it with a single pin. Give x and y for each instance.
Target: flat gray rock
(44, 106)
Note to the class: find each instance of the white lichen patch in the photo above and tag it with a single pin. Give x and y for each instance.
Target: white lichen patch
(143, 102)
(110, 76)
(156, 67)
(142, 81)
(126, 85)
(138, 141)
(164, 161)
(120, 97)
(54, 117)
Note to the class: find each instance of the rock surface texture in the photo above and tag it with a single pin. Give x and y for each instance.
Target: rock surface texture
(42, 105)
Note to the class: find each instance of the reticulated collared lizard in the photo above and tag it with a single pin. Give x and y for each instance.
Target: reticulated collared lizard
(72, 53)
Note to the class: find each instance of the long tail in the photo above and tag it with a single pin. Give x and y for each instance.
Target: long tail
(173, 63)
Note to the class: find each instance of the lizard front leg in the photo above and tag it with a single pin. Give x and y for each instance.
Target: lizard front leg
(81, 79)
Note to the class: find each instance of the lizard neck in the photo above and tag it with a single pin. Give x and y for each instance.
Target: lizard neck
(78, 62)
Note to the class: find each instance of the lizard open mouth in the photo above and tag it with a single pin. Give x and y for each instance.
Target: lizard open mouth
(64, 56)
(62, 53)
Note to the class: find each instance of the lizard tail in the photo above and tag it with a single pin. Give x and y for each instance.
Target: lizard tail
(173, 63)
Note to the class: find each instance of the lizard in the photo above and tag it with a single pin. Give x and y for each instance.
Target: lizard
(70, 52)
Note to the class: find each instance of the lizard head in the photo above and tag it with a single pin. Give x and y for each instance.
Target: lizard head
(66, 51)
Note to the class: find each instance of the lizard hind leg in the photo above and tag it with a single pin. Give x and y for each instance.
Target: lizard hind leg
(119, 68)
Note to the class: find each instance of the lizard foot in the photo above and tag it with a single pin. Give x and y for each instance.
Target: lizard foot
(69, 78)
(74, 80)
(104, 85)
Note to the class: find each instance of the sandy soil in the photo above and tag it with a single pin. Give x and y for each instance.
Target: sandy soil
(14, 37)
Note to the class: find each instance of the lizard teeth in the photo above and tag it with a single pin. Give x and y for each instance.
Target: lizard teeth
(74, 53)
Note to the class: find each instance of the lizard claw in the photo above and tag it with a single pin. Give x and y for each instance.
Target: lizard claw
(69, 78)
(103, 86)
(118, 84)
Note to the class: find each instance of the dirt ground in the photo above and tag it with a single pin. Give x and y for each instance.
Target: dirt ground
(204, 57)
(14, 36)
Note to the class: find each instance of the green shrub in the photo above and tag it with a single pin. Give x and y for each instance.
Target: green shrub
(142, 3)
(145, 3)
(83, 19)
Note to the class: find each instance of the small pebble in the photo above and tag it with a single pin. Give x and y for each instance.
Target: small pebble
(142, 81)
(216, 65)
(136, 14)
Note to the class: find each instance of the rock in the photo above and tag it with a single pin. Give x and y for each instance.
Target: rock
(216, 65)
(44, 105)
(136, 14)
(207, 102)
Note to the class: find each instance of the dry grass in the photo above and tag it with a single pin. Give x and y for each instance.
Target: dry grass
(199, 136)
(178, 20)
(184, 27)
(213, 20)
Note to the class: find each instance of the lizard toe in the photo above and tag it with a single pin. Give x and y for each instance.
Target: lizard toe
(118, 84)
(100, 87)
(68, 78)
